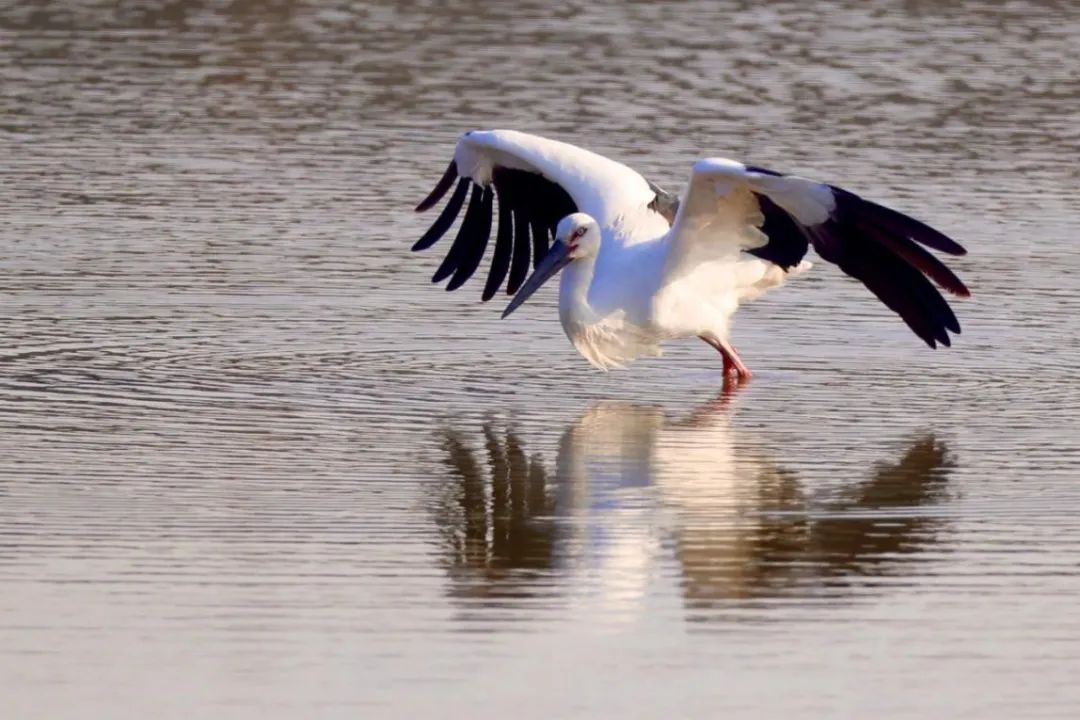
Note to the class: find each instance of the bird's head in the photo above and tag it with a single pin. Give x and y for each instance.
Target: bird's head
(580, 234)
(577, 237)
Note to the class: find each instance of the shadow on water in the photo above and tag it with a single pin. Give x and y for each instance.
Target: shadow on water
(632, 488)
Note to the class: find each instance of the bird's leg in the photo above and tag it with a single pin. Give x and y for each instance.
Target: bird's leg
(733, 366)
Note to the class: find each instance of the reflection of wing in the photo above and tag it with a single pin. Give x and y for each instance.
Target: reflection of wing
(730, 208)
(768, 539)
(856, 542)
(493, 519)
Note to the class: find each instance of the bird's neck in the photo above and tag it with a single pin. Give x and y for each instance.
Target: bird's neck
(574, 285)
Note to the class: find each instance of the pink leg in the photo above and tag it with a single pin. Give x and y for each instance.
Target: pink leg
(733, 366)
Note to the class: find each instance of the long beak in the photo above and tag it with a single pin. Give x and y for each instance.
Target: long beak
(556, 259)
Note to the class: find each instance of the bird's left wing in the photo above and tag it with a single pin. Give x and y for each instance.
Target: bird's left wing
(537, 182)
(731, 208)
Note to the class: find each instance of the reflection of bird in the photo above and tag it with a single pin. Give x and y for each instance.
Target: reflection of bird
(640, 266)
(627, 476)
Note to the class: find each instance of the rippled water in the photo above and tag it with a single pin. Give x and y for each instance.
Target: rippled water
(253, 465)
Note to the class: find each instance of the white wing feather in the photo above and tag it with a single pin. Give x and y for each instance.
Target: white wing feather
(719, 215)
(605, 189)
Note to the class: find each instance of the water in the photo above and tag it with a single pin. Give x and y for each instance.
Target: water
(253, 465)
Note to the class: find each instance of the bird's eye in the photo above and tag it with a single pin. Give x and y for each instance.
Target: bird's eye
(578, 233)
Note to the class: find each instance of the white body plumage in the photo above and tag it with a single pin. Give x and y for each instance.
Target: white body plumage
(622, 303)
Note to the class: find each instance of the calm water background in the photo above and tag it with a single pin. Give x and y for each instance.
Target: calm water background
(252, 465)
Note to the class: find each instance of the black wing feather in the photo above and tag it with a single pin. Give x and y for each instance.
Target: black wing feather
(901, 286)
(500, 259)
(899, 224)
(530, 207)
(879, 247)
(519, 265)
(918, 257)
(538, 204)
(445, 219)
(540, 243)
(468, 235)
(440, 189)
(788, 240)
(474, 253)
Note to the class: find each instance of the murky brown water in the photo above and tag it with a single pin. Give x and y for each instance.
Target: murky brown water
(253, 465)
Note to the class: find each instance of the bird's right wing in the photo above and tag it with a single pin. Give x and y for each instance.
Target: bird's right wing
(731, 208)
(537, 182)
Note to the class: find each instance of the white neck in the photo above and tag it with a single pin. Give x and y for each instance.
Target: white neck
(574, 285)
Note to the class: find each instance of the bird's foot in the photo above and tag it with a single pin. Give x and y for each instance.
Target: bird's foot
(735, 370)
(733, 365)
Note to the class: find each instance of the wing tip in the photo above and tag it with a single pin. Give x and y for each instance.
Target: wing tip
(903, 224)
(903, 239)
(440, 188)
(446, 218)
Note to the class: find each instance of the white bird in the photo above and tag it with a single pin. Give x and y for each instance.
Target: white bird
(641, 267)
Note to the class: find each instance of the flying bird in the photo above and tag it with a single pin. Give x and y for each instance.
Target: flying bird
(641, 266)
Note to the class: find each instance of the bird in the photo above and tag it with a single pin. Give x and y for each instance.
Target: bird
(641, 266)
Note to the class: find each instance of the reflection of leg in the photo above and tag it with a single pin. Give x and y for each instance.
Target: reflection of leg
(733, 365)
(731, 386)
(722, 403)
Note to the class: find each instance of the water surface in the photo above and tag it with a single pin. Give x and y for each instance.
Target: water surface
(253, 465)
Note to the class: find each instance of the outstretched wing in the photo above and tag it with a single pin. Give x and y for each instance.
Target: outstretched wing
(733, 207)
(537, 182)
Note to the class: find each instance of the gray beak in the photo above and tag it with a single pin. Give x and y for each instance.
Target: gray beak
(556, 259)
